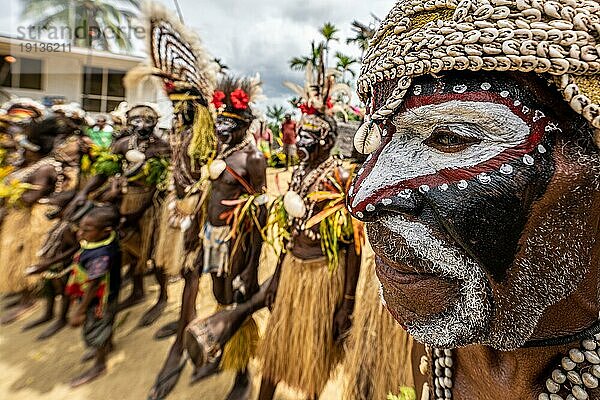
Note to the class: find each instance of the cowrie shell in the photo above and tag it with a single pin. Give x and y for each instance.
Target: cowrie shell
(368, 138)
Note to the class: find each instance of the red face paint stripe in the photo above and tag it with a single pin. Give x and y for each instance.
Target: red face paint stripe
(450, 176)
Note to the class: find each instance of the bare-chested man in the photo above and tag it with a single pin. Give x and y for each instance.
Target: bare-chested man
(312, 291)
(230, 247)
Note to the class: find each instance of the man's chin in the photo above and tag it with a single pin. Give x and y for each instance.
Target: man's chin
(412, 296)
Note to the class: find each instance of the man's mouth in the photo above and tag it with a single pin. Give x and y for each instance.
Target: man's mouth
(410, 289)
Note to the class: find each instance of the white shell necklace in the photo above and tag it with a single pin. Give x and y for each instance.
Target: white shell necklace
(218, 165)
(577, 373)
(296, 199)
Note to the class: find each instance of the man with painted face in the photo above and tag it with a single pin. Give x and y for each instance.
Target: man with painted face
(315, 284)
(312, 289)
(481, 192)
(231, 257)
(140, 166)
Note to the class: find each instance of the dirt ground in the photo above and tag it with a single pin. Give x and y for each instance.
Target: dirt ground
(33, 370)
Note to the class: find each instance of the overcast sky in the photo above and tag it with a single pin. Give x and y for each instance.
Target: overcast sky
(260, 35)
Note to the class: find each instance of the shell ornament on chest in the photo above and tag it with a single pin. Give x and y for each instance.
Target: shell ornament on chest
(577, 374)
(296, 201)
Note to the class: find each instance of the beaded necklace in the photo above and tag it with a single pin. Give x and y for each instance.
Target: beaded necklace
(304, 181)
(577, 373)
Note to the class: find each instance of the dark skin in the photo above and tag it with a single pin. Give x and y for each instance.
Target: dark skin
(92, 231)
(44, 180)
(171, 370)
(250, 165)
(69, 246)
(225, 324)
(306, 248)
(560, 187)
(141, 122)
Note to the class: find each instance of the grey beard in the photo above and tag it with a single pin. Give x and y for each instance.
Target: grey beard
(463, 322)
(501, 320)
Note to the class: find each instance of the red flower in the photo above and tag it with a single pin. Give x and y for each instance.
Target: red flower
(169, 86)
(329, 103)
(218, 98)
(239, 99)
(307, 110)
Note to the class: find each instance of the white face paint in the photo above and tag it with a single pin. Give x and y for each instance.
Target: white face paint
(406, 156)
(464, 320)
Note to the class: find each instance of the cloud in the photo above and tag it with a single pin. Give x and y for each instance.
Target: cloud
(262, 35)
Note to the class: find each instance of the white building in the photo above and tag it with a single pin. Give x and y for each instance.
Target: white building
(47, 71)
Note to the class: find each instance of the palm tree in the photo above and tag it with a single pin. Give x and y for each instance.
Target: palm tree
(344, 65)
(223, 68)
(88, 21)
(363, 33)
(276, 113)
(328, 31)
(300, 63)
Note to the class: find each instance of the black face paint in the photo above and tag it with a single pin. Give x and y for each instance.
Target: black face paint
(142, 125)
(307, 144)
(485, 210)
(225, 127)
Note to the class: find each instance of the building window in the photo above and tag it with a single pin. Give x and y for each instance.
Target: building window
(103, 89)
(23, 73)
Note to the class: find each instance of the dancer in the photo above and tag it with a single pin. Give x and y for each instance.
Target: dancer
(315, 281)
(139, 160)
(95, 281)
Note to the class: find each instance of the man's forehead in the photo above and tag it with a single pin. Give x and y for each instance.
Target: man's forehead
(142, 112)
(490, 87)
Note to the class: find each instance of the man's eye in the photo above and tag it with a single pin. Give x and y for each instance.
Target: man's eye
(447, 141)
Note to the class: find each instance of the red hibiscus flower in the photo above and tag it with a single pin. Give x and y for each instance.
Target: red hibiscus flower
(239, 99)
(218, 98)
(169, 86)
(329, 103)
(307, 110)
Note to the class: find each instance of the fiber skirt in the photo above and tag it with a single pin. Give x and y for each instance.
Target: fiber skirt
(298, 347)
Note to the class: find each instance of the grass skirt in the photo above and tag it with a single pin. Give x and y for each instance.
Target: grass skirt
(140, 239)
(22, 235)
(378, 361)
(298, 347)
(168, 253)
(241, 347)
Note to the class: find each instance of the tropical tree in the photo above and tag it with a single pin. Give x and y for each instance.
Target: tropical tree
(344, 64)
(223, 68)
(275, 114)
(328, 31)
(363, 33)
(92, 23)
(300, 63)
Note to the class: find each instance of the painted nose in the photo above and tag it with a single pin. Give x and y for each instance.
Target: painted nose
(406, 202)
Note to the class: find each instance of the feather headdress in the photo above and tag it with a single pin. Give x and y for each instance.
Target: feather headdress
(188, 76)
(321, 99)
(176, 56)
(234, 97)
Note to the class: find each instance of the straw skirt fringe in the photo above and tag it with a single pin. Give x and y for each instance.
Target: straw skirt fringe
(241, 347)
(378, 361)
(140, 240)
(298, 347)
(168, 253)
(22, 235)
